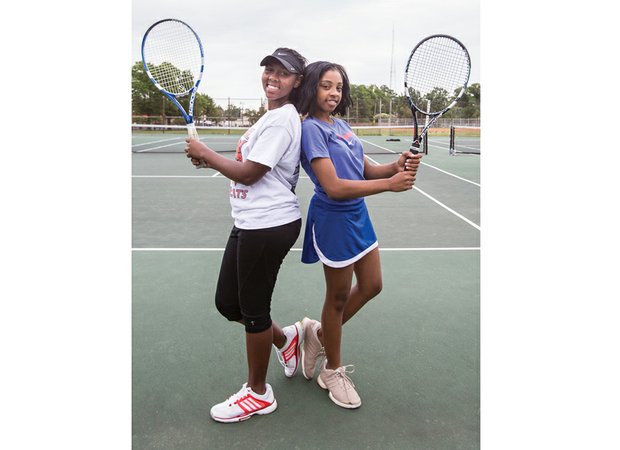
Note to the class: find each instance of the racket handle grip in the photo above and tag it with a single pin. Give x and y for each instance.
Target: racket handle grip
(191, 130)
(193, 134)
(415, 147)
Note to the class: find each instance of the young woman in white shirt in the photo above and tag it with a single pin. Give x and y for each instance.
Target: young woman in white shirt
(267, 222)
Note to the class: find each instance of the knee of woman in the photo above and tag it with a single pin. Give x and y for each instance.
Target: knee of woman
(374, 289)
(337, 300)
(378, 287)
(234, 315)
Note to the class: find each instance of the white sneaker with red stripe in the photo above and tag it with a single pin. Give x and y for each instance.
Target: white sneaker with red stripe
(289, 355)
(244, 404)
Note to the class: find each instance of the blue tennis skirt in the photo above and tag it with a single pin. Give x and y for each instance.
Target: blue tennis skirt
(337, 235)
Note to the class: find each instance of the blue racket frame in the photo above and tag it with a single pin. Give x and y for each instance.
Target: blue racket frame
(189, 115)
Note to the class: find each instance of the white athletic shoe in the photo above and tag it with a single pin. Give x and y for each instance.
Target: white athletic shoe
(243, 405)
(289, 355)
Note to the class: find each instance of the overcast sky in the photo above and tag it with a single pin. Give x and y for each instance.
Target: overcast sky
(237, 34)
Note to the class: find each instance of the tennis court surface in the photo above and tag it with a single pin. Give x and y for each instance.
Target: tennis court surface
(416, 347)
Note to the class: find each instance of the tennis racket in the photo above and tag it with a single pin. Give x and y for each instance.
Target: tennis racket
(435, 78)
(173, 59)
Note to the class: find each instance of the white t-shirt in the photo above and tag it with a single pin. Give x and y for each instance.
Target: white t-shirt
(273, 141)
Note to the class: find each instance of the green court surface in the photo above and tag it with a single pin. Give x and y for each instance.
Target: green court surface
(416, 347)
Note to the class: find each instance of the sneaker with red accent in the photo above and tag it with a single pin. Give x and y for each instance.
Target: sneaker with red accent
(341, 389)
(289, 355)
(312, 349)
(244, 404)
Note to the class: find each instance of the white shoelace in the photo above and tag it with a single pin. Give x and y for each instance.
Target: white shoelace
(235, 397)
(342, 374)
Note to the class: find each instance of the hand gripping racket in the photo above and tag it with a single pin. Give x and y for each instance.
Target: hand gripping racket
(173, 59)
(438, 69)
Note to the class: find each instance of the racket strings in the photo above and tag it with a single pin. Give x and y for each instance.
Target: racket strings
(438, 63)
(174, 57)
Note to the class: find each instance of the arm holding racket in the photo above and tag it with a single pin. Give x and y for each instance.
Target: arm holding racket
(247, 172)
(407, 161)
(340, 188)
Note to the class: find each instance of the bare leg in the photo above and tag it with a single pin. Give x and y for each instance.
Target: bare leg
(279, 339)
(258, 348)
(338, 287)
(368, 286)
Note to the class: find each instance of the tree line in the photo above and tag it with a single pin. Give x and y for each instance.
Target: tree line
(371, 104)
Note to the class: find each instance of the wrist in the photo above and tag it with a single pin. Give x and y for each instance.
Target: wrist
(396, 167)
(205, 153)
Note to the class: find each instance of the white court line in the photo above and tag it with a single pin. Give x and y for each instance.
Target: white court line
(215, 175)
(452, 175)
(439, 145)
(422, 162)
(171, 176)
(158, 147)
(470, 147)
(155, 142)
(395, 249)
(382, 148)
(460, 216)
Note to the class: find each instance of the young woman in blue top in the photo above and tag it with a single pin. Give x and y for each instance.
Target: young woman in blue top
(338, 230)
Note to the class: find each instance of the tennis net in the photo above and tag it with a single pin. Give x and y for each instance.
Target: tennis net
(464, 140)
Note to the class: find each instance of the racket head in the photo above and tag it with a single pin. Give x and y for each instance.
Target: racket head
(173, 57)
(438, 68)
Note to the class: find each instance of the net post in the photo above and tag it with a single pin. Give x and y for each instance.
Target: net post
(451, 150)
(228, 114)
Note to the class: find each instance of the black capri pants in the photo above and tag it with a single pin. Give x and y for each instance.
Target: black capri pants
(249, 271)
